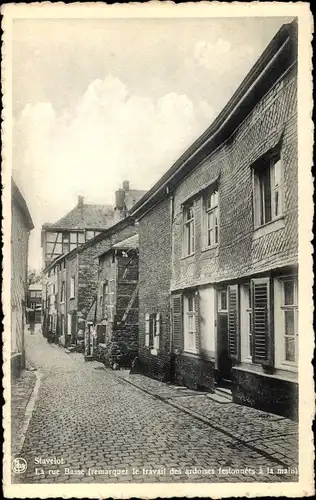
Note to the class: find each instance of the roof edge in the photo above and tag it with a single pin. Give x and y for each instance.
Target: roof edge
(19, 198)
(274, 49)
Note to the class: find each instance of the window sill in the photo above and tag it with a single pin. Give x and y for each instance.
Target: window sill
(214, 249)
(270, 227)
(282, 374)
(187, 256)
(71, 298)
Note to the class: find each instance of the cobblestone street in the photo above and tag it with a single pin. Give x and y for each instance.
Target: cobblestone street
(90, 425)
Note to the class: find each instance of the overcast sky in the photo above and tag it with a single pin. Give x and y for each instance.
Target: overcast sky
(99, 101)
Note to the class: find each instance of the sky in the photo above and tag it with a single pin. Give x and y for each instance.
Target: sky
(98, 101)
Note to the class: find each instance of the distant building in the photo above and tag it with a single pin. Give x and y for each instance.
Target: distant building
(21, 225)
(218, 247)
(34, 300)
(116, 307)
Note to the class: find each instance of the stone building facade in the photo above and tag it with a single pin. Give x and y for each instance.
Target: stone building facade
(77, 282)
(21, 225)
(232, 226)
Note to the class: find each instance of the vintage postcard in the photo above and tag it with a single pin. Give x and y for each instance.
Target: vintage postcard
(157, 259)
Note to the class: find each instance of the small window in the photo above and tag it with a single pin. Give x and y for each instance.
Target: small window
(268, 192)
(189, 236)
(66, 243)
(62, 292)
(212, 217)
(290, 320)
(152, 330)
(189, 323)
(89, 235)
(72, 287)
(222, 300)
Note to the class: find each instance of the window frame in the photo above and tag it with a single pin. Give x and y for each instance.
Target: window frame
(189, 330)
(188, 229)
(259, 206)
(285, 308)
(214, 211)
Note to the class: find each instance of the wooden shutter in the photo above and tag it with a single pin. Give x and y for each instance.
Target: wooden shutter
(177, 322)
(74, 322)
(233, 323)
(262, 332)
(197, 320)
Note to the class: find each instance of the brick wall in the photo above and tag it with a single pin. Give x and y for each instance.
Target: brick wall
(238, 253)
(155, 254)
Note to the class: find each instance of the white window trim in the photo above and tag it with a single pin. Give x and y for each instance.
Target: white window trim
(256, 193)
(187, 314)
(279, 328)
(206, 211)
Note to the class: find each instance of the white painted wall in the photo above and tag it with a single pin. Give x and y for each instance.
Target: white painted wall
(207, 321)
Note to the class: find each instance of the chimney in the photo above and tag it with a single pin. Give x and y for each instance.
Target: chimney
(119, 199)
(80, 201)
(126, 185)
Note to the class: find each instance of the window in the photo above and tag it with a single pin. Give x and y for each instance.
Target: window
(222, 300)
(245, 318)
(72, 287)
(91, 234)
(189, 243)
(66, 243)
(111, 300)
(211, 214)
(152, 330)
(290, 313)
(76, 239)
(62, 292)
(189, 324)
(268, 192)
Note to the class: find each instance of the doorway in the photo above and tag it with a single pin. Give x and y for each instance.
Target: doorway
(224, 364)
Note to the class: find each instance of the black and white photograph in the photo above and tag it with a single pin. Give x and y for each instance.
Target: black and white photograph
(157, 267)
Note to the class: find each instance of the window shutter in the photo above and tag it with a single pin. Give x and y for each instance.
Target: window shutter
(262, 332)
(233, 323)
(152, 330)
(177, 322)
(197, 320)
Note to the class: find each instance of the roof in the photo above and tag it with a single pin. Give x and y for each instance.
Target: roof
(35, 286)
(280, 54)
(90, 243)
(18, 198)
(86, 216)
(130, 243)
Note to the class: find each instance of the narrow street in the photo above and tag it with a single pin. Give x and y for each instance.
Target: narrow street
(90, 425)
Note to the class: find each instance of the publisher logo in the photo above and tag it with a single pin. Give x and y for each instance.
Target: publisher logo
(19, 465)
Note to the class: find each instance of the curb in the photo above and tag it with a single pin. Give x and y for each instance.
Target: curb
(27, 416)
(208, 422)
